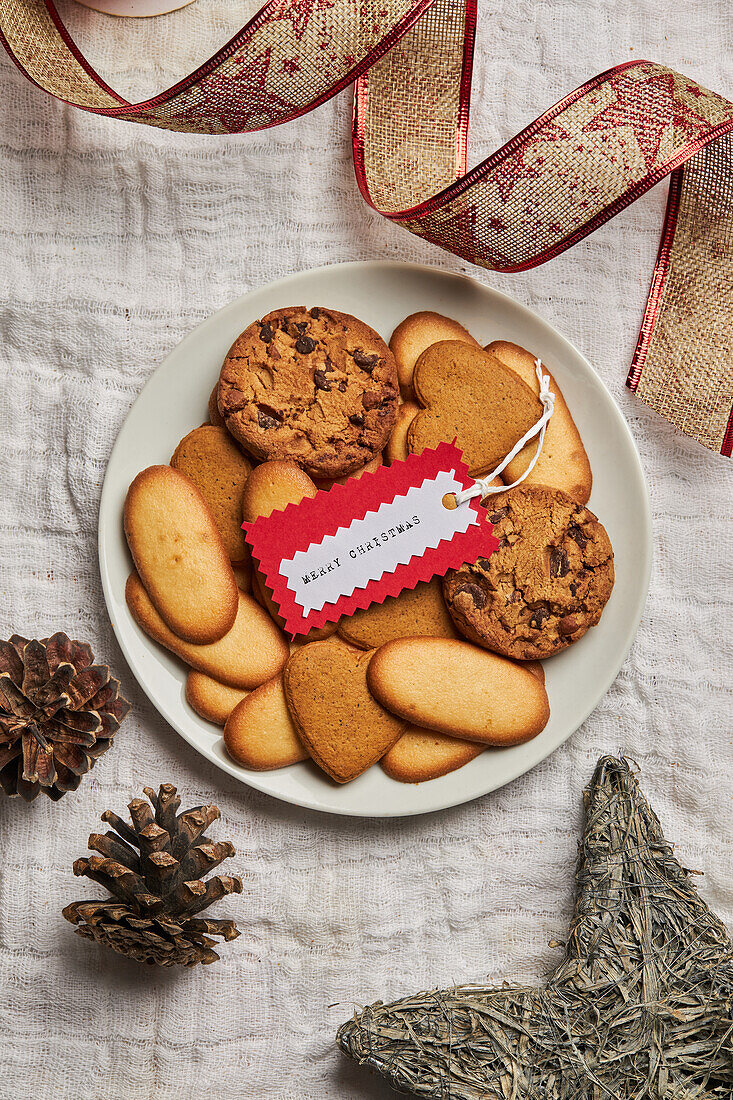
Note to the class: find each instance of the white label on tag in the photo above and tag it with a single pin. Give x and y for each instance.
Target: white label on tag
(370, 547)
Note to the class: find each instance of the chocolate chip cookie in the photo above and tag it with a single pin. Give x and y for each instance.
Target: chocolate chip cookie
(546, 584)
(314, 386)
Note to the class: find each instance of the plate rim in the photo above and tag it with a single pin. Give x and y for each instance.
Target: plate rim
(251, 778)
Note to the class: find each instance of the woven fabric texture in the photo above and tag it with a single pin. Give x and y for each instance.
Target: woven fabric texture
(116, 241)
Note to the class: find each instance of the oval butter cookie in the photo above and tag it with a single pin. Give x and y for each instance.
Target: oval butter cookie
(272, 486)
(253, 651)
(179, 555)
(210, 458)
(211, 699)
(314, 386)
(260, 734)
(422, 754)
(455, 688)
(547, 583)
(562, 463)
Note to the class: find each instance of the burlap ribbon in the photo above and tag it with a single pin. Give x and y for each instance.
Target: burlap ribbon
(571, 170)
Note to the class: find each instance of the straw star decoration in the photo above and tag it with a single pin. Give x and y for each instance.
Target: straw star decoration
(640, 1008)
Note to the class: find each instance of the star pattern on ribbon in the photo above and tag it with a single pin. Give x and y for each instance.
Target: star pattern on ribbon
(513, 169)
(253, 99)
(300, 12)
(649, 126)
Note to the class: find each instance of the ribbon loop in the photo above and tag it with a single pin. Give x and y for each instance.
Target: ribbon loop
(577, 165)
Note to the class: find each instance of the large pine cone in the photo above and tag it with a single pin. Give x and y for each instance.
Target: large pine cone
(153, 869)
(58, 714)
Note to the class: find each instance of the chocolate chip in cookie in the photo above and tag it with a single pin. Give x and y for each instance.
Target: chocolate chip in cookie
(474, 592)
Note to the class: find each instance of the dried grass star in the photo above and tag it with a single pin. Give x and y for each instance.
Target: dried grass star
(640, 1008)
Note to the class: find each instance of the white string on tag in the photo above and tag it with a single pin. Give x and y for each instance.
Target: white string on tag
(482, 486)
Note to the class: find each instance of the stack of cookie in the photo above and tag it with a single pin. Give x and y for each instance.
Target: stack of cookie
(426, 680)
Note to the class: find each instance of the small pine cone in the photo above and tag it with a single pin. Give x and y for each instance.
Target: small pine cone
(58, 714)
(152, 870)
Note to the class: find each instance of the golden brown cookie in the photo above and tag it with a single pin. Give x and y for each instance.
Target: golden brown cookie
(243, 574)
(314, 386)
(422, 754)
(215, 416)
(562, 463)
(396, 449)
(546, 584)
(211, 699)
(469, 396)
(343, 727)
(260, 734)
(458, 689)
(179, 555)
(263, 595)
(215, 464)
(327, 483)
(418, 332)
(252, 652)
(416, 611)
(272, 486)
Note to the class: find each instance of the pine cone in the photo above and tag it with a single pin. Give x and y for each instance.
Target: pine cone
(153, 870)
(58, 714)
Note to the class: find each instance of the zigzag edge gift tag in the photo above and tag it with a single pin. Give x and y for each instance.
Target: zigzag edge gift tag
(357, 543)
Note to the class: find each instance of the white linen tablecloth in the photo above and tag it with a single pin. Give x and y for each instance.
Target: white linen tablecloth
(116, 240)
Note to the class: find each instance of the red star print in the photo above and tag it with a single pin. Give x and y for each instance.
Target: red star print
(242, 101)
(648, 119)
(460, 232)
(552, 131)
(299, 12)
(512, 170)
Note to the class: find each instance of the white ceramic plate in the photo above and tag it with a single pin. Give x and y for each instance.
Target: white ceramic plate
(382, 294)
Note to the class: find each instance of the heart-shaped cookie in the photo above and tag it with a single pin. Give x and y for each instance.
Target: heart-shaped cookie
(468, 395)
(344, 729)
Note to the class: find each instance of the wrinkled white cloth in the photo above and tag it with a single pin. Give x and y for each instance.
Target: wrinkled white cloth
(116, 240)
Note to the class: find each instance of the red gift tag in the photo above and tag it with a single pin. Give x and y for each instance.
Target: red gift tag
(357, 543)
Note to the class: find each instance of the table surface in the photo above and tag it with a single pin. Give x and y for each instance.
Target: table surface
(117, 240)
